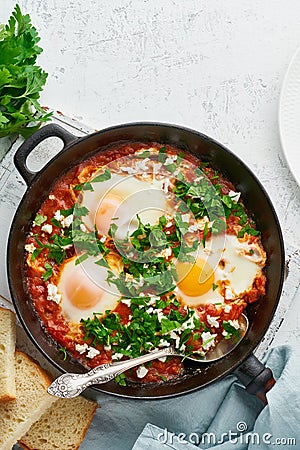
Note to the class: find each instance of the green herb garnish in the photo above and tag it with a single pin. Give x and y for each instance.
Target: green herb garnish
(21, 80)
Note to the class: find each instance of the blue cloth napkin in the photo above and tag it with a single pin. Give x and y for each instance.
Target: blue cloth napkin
(222, 416)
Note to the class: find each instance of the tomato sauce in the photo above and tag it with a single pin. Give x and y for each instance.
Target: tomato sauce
(63, 197)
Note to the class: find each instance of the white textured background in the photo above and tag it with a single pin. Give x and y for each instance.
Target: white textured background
(216, 66)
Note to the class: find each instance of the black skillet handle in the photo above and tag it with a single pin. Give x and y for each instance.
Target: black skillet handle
(51, 130)
(256, 377)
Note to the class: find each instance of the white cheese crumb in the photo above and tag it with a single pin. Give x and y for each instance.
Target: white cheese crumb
(234, 323)
(165, 186)
(47, 228)
(30, 248)
(142, 164)
(165, 253)
(163, 343)
(126, 301)
(107, 347)
(141, 372)
(67, 221)
(117, 356)
(92, 352)
(58, 216)
(234, 195)
(51, 197)
(185, 217)
(227, 308)
(225, 333)
(208, 339)
(150, 310)
(228, 294)
(192, 228)
(102, 239)
(53, 294)
(162, 359)
(129, 170)
(182, 348)
(81, 348)
(83, 227)
(212, 321)
(170, 159)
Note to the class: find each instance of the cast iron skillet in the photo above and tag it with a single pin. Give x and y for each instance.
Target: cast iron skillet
(250, 371)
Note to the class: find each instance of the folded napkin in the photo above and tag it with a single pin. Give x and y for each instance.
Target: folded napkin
(222, 416)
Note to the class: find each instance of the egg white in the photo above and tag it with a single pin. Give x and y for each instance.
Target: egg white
(236, 264)
(121, 198)
(84, 290)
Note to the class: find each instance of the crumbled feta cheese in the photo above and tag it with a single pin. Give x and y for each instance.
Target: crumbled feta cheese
(160, 315)
(165, 186)
(227, 308)
(129, 170)
(47, 228)
(83, 227)
(162, 359)
(142, 164)
(163, 343)
(212, 321)
(192, 228)
(92, 352)
(182, 348)
(156, 167)
(51, 197)
(141, 372)
(126, 301)
(30, 248)
(117, 356)
(165, 253)
(58, 216)
(107, 347)
(225, 333)
(208, 339)
(185, 217)
(81, 348)
(228, 294)
(234, 323)
(234, 195)
(176, 338)
(170, 159)
(53, 294)
(169, 224)
(150, 310)
(67, 221)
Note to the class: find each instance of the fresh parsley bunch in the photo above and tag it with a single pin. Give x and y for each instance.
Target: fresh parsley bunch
(21, 80)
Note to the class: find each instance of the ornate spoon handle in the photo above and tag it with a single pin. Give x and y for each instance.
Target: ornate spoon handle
(71, 385)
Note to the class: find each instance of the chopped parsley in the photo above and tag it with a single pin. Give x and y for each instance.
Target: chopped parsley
(146, 329)
(39, 220)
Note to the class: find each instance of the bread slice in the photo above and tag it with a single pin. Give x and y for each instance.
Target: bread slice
(7, 355)
(62, 426)
(32, 400)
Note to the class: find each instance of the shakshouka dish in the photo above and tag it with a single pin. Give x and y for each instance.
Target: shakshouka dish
(140, 247)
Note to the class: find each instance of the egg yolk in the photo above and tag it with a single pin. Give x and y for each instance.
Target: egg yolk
(82, 292)
(106, 212)
(196, 278)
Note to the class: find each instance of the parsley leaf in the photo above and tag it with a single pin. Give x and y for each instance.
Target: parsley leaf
(48, 271)
(39, 219)
(21, 80)
(103, 177)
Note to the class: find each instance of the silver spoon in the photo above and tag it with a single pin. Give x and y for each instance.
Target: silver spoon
(71, 385)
